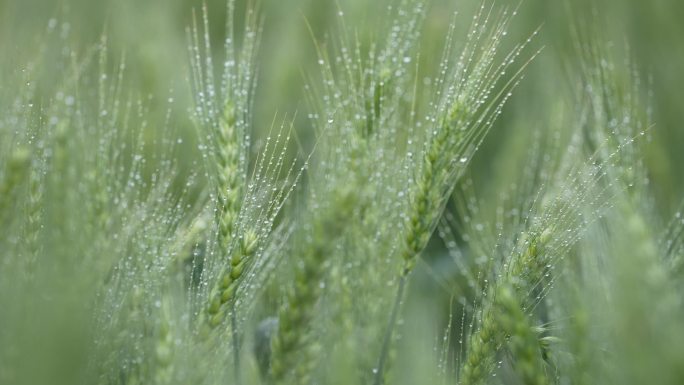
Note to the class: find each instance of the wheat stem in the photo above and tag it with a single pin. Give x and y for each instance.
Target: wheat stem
(379, 377)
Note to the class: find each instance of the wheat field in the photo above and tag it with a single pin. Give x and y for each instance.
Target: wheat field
(341, 192)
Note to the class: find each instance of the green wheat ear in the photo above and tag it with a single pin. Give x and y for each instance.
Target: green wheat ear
(460, 126)
(293, 356)
(229, 177)
(230, 280)
(428, 200)
(505, 323)
(229, 192)
(230, 145)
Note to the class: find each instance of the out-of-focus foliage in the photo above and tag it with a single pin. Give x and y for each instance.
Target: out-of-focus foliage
(341, 191)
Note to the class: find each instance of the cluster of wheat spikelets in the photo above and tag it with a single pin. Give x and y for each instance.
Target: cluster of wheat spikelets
(263, 267)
